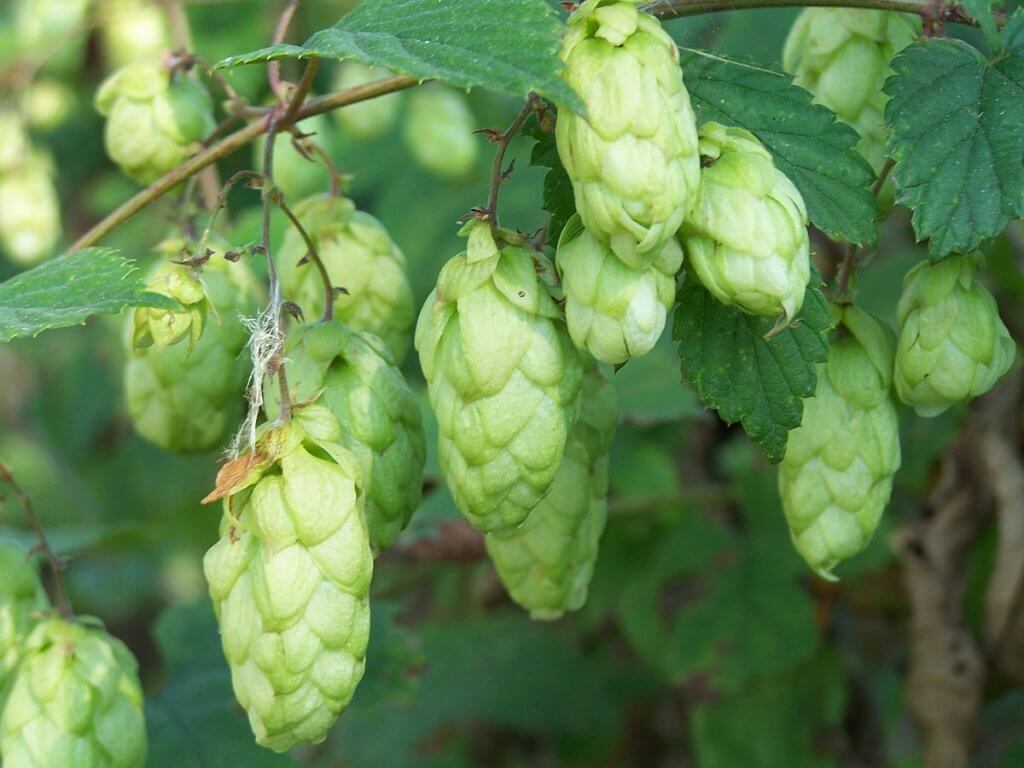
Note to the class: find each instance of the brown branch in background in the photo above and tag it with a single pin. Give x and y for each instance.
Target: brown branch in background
(499, 173)
(274, 67)
(56, 565)
(312, 254)
(946, 671)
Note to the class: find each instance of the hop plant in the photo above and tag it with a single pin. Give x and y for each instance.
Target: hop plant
(836, 478)
(298, 173)
(185, 397)
(952, 343)
(133, 30)
(368, 119)
(30, 226)
(503, 378)
(439, 132)
(360, 257)
(746, 239)
(843, 57)
(290, 579)
(613, 310)
(155, 120)
(547, 562)
(21, 597)
(633, 159)
(14, 141)
(76, 701)
(356, 378)
(50, 26)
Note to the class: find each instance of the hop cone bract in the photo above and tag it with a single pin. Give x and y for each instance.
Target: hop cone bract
(746, 238)
(836, 478)
(952, 343)
(360, 257)
(132, 30)
(76, 702)
(546, 564)
(633, 160)
(21, 596)
(290, 579)
(503, 378)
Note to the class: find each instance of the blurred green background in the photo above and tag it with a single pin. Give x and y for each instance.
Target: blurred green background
(705, 641)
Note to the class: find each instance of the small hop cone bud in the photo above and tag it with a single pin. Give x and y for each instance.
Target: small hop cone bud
(952, 343)
(47, 103)
(843, 57)
(355, 377)
(51, 27)
(186, 397)
(290, 579)
(298, 175)
(360, 257)
(746, 239)
(503, 378)
(154, 121)
(613, 310)
(633, 160)
(30, 226)
(133, 30)
(836, 478)
(21, 598)
(368, 119)
(76, 701)
(546, 564)
(439, 132)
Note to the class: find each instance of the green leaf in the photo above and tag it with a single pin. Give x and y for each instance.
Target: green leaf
(981, 11)
(747, 378)
(559, 199)
(67, 290)
(507, 46)
(649, 391)
(814, 150)
(959, 158)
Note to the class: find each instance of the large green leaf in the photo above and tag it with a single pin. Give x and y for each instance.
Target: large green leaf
(67, 290)
(508, 46)
(757, 381)
(959, 156)
(814, 150)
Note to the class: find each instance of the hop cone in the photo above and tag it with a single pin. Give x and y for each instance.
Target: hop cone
(133, 30)
(503, 378)
(21, 596)
(14, 141)
(633, 160)
(379, 415)
(746, 239)
(154, 121)
(76, 702)
(298, 175)
(47, 103)
(952, 343)
(51, 27)
(359, 256)
(368, 119)
(547, 562)
(843, 56)
(613, 310)
(439, 132)
(836, 478)
(290, 579)
(30, 226)
(186, 370)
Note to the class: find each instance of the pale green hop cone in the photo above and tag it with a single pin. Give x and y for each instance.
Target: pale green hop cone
(360, 257)
(746, 239)
(76, 702)
(185, 371)
(546, 564)
(613, 310)
(836, 478)
(355, 376)
(370, 119)
(843, 57)
(633, 160)
(290, 579)
(299, 174)
(131, 30)
(154, 121)
(30, 226)
(503, 378)
(439, 130)
(952, 343)
(21, 600)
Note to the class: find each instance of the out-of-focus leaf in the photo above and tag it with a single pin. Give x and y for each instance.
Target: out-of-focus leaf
(559, 199)
(650, 391)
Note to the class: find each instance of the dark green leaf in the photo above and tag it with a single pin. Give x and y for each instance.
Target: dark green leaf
(508, 46)
(67, 290)
(559, 199)
(747, 378)
(981, 11)
(959, 158)
(814, 150)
